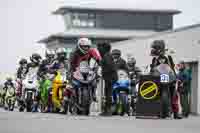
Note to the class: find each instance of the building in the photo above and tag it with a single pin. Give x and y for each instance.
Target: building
(184, 42)
(108, 24)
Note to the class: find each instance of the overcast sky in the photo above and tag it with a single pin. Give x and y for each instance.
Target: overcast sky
(24, 22)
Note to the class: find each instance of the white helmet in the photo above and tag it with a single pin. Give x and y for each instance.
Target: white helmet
(61, 50)
(82, 43)
(50, 53)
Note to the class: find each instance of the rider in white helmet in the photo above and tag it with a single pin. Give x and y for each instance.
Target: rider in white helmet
(84, 52)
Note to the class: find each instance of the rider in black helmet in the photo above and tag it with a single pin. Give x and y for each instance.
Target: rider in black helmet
(158, 51)
(21, 71)
(120, 63)
(35, 60)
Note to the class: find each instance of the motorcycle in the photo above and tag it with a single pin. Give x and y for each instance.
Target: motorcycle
(19, 91)
(30, 87)
(10, 98)
(45, 87)
(167, 78)
(68, 99)
(133, 86)
(58, 85)
(84, 79)
(121, 89)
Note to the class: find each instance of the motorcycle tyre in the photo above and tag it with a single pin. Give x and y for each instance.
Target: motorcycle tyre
(165, 103)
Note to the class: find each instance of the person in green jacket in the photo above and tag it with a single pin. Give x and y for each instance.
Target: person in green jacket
(185, 79)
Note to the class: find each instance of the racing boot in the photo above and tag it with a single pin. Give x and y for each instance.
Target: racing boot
(177, 116)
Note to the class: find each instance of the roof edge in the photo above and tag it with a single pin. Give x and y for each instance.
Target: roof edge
(62, 10)
(184, 28)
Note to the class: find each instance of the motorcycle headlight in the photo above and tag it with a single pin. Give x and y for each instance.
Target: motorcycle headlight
(84, 70)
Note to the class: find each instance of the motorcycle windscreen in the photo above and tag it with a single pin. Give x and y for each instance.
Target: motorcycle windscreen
(10, 91)
(32, 74)
(122, 75)
(84, 67)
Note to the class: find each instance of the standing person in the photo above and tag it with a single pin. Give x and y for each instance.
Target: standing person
(185, 79)
(109, 75)
(189, 70)
(158, 51)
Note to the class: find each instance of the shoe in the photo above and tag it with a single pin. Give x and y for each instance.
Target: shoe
(114, 113)
(106, 114)
(102, 114)
(95, 99)
(62, 110)
(177, 116)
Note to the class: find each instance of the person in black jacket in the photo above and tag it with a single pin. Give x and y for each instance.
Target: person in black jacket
(160, 57)
(109, 74)
(22, 70)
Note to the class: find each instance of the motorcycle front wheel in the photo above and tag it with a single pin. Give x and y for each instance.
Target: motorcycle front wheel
(165, 100)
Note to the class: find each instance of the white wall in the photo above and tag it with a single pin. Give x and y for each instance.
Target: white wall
(184, 43)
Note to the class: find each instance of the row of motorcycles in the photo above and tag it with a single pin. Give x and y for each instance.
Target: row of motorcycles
(56, 94)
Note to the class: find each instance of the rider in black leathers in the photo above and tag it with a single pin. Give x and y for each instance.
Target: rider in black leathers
(119, 63)
(158, 51)
(134, 75)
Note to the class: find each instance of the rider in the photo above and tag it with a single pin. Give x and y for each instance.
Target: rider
(9, 82)
(44, 72)
(84, 52)
(34, 64)
(21, 73)
(132, 68)
(120, 63)
(47, 63)
(134, 74)
(158, 51)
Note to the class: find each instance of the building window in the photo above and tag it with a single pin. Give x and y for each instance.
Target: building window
(83, 20)
(163, 22)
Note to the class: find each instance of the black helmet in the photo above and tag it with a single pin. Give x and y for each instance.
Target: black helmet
(35, 58)
(23, 61)
(116, 52)
(9, 79)
(181, 65)
(158, 47)
(131, 61)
